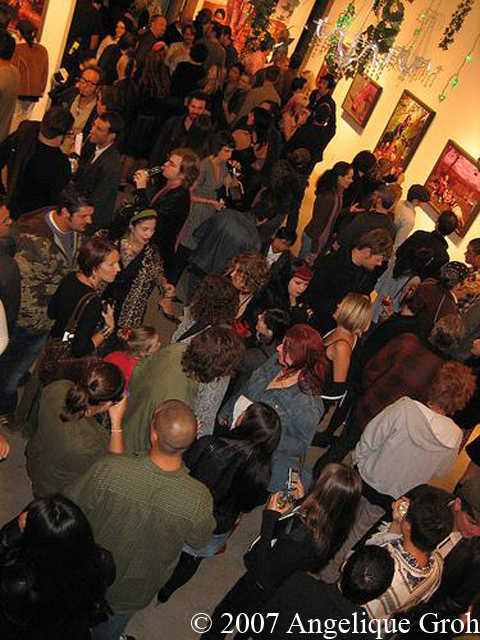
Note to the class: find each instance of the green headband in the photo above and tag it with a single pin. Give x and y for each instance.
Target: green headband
(146, 213)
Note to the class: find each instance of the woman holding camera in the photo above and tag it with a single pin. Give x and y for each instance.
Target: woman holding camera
(69, 439)
(303, 538)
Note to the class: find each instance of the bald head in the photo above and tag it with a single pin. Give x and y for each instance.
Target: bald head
(175, 427)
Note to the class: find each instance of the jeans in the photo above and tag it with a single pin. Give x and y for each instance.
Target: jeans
(21, 353)
(306, 247)
(113, 628)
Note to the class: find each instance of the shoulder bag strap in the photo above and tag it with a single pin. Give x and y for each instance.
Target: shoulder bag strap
(78, 311)
(439, 307)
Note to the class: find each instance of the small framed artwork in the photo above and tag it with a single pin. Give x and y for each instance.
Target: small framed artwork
(32, 10)
(454, 183)
(361, 99)
(404, 131)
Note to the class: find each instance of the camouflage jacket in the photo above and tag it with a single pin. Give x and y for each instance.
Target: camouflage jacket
(43, 264)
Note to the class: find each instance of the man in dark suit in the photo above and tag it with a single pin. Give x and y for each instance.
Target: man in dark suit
(153, 34)
(100, 168)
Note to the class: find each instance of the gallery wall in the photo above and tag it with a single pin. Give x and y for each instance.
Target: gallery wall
(54, 34)
(457, 117)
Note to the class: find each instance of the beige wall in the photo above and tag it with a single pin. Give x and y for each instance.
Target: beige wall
(457, 118)
(54, 36)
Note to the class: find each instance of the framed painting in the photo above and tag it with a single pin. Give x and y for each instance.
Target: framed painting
(454, 183)
(404, 131)
(361, 99)
(32, 10)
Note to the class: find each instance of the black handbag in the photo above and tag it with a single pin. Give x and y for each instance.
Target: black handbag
(58, 362)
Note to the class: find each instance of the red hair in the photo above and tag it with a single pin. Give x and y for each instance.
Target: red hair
(304, 347)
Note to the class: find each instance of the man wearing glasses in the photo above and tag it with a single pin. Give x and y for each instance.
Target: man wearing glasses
(80, 100)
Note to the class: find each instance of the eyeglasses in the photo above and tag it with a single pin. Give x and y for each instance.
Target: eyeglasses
(85, 81)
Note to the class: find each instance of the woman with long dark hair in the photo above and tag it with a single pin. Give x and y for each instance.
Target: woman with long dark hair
(153, 91)
(327, 207)
(304, 540)
(236, 466)
(53, 576)
(69, 439)
(291, 382)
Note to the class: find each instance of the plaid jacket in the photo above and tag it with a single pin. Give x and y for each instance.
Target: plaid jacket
(403, 367)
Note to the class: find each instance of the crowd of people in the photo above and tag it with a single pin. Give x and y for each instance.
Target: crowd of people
(168, 169)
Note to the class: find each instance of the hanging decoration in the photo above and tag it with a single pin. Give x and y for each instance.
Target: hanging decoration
(344, 20)
(390, 14)
(259, 12)
(373, 48)
(454, 79)
(456, 23)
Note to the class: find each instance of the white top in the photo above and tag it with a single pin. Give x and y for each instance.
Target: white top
(404, 220)
(272, 256)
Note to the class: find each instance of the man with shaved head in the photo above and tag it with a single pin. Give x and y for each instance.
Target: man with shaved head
(144, 509)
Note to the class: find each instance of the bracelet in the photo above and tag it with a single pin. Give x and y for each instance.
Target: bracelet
(116, 430)
(106, 332)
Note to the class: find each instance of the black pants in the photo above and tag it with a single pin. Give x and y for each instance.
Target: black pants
(175, 271)
(341, 446)
(186, 568)
(245, 597)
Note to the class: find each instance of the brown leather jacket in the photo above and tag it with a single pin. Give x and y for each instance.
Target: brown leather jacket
(32, 63)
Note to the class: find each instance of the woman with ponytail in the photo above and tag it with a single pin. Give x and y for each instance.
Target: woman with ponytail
(328, 204)
(31, 59)
(291, 382)
(69, 438)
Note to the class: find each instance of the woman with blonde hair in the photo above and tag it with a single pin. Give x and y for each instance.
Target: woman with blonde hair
(295, 113)
(353, 316)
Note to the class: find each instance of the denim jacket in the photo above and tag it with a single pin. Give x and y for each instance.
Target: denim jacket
(299, 415)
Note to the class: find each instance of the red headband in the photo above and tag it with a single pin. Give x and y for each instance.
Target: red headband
(303, 273)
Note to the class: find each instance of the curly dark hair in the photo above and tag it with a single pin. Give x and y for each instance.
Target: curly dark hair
(253, 268)
(213, 353)
(215, 301)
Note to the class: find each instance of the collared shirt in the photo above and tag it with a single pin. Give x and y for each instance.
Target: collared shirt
(99, 151)
(66, 239)
(272, 256)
